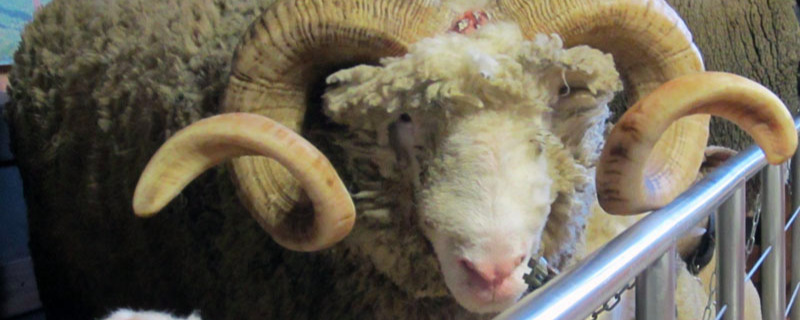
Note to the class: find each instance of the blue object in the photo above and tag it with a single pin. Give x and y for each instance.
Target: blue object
(14, 14)
(13, 223)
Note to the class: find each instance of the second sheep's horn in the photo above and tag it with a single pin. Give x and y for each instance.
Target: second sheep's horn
(630, 184)
(211, 141)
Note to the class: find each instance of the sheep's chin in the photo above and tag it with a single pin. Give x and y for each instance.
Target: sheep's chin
(484, 301)
(481, 300)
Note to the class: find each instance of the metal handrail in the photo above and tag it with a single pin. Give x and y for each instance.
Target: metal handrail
(577, 293)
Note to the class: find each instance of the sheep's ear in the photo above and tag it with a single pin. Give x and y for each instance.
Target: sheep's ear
(585, 80)
(579, 120)
(585, 77)
(715, 156)
(584, 83)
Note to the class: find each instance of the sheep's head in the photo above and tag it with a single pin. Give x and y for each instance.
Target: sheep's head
(496, 162)
(464, 123)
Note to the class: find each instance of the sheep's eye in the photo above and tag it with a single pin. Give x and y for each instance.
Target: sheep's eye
(537, 148)
(429, 223)
(563, 91)
(405, 117)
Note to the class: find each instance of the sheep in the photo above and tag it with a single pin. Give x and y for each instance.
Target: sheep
(422, 147)
(448, 104)
(385, 156)
(411, 247)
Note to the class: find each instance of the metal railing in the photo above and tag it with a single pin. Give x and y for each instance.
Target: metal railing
(646, 251)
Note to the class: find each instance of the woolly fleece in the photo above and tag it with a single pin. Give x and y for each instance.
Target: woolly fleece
(97, 87)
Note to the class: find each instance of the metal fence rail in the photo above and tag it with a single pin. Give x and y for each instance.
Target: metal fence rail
(646, 251)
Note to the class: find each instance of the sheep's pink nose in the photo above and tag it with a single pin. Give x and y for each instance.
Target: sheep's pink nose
(491, 273)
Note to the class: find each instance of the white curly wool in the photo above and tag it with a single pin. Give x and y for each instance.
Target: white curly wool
(127, 314)
(493, 68)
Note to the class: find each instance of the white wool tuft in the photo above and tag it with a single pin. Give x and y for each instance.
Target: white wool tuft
(127, 314)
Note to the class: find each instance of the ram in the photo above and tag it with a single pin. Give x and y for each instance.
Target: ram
(467, 141)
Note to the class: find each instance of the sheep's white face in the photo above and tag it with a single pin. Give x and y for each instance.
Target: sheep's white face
(470, 139)
(484, 206)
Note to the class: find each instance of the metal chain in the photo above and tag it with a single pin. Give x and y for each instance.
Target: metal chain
(712, 295)
(751, 240)
(614, 301)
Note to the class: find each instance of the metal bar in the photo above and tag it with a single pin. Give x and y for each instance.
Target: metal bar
(721, 312)
(773, 277)
(730, 222)
(791, 219)
(655, 289)
(576, 293)
(758, 263)
(795, 250)
(791, 301)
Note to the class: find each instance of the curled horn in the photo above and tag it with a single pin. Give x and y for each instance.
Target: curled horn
(628, 188)
(651, 46)
(291, 47)
(208, 142)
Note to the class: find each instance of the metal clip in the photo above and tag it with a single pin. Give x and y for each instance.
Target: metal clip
(541, 273)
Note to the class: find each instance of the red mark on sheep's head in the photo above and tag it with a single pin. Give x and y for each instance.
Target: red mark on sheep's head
(470, 21)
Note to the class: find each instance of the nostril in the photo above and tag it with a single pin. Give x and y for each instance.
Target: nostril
(475, 272)
(468, 265)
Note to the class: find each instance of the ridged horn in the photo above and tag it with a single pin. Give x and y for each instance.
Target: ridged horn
(211, 141)
(650, 45)
(288, 50)
(628, 188)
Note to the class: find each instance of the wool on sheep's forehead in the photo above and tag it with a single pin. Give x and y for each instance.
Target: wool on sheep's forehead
(454, 74)
(437, 85)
